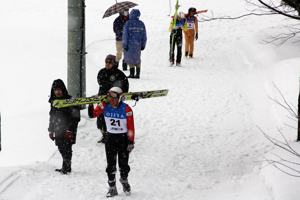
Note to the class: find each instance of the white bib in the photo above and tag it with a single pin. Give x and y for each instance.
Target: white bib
(115, 119)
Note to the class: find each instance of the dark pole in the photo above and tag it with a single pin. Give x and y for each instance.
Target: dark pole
(298, 138)
(0, 133)
(76, 48)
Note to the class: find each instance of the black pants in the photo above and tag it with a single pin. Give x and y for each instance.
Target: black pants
(175, 39)
(116, 146)
(65, 149)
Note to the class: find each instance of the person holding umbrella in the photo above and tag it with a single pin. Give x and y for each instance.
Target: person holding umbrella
(122, 8)
(118, 30)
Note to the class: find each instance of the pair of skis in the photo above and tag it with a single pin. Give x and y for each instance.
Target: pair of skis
(62, 103)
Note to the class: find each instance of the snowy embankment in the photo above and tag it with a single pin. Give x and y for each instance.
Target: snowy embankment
(201, 141)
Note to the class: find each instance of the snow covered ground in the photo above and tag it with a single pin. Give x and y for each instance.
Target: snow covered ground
(200, 142)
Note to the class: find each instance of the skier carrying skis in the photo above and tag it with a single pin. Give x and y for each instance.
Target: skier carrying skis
(108, 77)
(63, 125)
(120, 137)
(178, 23)
(118, 30)
(191, 33)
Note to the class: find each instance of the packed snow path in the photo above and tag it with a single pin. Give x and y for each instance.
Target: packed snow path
(199, 142)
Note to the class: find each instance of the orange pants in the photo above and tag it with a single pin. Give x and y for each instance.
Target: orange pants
(189, 36)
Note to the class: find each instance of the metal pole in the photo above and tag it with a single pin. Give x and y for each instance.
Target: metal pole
(0, 133)
(298, 138)
(76, 48)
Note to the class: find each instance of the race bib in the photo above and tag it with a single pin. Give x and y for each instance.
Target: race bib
(190, 25)
(115, 119)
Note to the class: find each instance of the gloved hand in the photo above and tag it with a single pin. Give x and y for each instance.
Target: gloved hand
(69, 135)
(142, 48)
(90, 110)
(135, 97)
(126, 49)
(196, 36)
(130, 147)
(51, 136)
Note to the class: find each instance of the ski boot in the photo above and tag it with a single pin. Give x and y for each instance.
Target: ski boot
(131, 71)
(138, 71)
(171, 62)
(126, 186)
(124, 65)
(112, 191)
(66, 168)
(178, 64)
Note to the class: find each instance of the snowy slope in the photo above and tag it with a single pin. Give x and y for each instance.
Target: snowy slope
(201, 141)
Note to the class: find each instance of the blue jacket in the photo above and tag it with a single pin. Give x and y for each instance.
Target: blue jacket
(118, 27)
(134, 38)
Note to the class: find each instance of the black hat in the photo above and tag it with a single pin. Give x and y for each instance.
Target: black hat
(192, 9)
(111, 58)
(58, 83)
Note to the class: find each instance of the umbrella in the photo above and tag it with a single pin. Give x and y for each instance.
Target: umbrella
(118, 7)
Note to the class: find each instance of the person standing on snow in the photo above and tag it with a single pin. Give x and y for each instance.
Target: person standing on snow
(176, 27)
(118, 30)
(134, 41)
(120, 137)
(63, 125)
(191, 33)
(108, 77)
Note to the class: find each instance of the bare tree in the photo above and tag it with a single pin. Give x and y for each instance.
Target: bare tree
(289, 164)
(288, 161)
(291, 109)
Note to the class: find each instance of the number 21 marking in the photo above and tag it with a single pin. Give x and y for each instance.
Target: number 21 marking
(114, 122)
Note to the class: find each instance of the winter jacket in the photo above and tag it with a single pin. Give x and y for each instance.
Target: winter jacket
(118, 26)
(134, 38)
(180, 24)
(62, 119)
(112, 77)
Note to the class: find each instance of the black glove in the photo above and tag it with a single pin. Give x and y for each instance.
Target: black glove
(142, 48)
(51, 136)
(196, 36)
(104, 137)
(90, 110)
(69, 135)
(130, 147)
(135, 97)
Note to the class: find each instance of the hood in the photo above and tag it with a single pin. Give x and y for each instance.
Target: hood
(58, 83)
(134, 14)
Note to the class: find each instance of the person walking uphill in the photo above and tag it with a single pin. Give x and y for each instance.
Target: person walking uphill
(63, 125)
(118, 30)
(134, 41)
(108, 77)
(120, 137)
(191, 33)
(176, 27)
